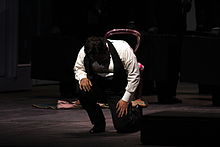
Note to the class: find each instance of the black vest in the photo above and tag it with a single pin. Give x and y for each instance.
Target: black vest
(120, 75)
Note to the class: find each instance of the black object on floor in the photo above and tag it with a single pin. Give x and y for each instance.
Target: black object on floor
(180, 128)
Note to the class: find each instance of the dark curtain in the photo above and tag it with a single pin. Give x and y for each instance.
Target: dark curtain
(8, 37)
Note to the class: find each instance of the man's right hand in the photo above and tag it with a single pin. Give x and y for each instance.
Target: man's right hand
(85, 84)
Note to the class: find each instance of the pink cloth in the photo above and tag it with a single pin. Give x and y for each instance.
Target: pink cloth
(141, 66)
(67, 105)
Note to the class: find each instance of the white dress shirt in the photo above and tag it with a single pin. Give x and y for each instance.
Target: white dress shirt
(129, 61)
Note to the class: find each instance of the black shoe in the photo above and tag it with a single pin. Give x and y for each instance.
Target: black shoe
(97, 129)
(172, 100)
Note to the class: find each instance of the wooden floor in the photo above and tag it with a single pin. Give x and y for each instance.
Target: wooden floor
(23, 125)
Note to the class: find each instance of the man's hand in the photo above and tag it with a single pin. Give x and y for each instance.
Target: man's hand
(85, 84)
(122, 108)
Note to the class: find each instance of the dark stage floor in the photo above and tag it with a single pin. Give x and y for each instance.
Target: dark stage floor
(23, 125)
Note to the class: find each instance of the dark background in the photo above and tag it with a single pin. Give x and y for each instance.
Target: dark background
(51, 32)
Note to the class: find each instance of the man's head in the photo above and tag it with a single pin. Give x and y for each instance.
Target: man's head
(96, 49)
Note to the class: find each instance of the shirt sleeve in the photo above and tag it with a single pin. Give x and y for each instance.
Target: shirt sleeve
(79, 68)
(131, 66)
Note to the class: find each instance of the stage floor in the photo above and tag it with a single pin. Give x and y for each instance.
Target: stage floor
(21, 124)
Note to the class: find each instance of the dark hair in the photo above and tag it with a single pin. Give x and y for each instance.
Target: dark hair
(95, 45)
(96, 49)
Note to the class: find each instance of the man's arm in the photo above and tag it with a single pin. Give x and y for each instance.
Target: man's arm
(133, 77)
(80, 73)
(133, 74)
(79, 68)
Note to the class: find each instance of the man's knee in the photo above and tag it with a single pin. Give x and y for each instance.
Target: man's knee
(127, 126)
(128, 129)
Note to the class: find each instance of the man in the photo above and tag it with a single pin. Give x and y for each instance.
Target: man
(108, 69)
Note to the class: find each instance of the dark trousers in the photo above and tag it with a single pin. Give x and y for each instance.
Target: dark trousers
(102, 89)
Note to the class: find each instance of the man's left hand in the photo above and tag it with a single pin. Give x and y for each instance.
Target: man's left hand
(122, 108)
